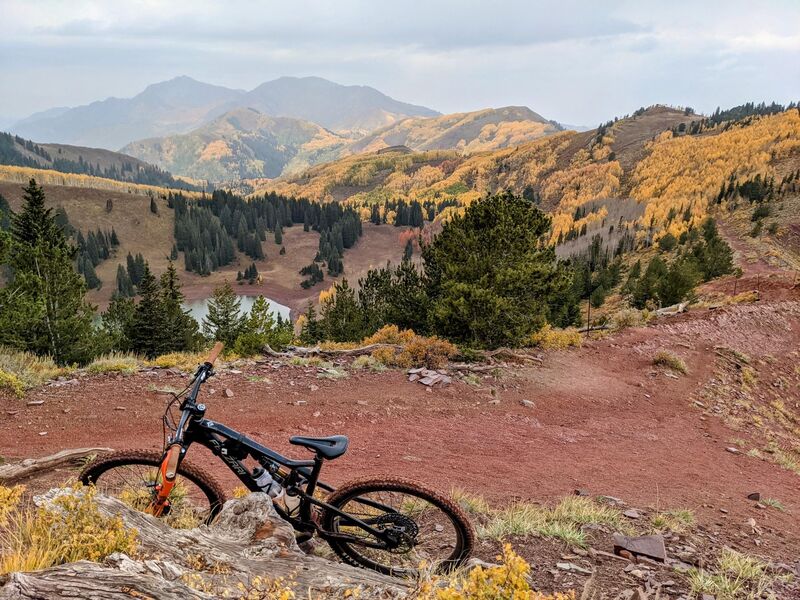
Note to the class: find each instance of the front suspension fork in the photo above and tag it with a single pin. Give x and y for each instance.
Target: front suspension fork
(168, 474)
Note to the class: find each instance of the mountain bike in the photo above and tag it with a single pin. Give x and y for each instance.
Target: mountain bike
(387, 524)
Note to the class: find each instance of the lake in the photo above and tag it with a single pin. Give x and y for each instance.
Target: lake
(199, 308)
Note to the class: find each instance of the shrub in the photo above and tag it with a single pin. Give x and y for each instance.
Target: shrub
(665, 358)
(384, 356)
(12, 383)
(507, 580)
(629, 317)
(185, 361)
(10, 498)
(548, 338)
(29, 369)
(114, 363)
(430, 352)
(389, 334)
(71, 529)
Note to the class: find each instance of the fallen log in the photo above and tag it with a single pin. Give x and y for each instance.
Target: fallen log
(292, 351)
(30, 467)
(248, 541)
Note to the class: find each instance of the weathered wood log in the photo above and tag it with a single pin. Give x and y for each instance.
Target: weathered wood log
(248, 540)
(30, 467)
(317, 351)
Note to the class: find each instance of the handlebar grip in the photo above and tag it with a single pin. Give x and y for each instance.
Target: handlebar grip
(215, 352)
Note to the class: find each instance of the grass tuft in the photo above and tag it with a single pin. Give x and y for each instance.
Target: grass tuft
(20, 371)
(563, 522)
(737, 577)
(472, 503)
(115, 362)
(665, 358)
(677, 521)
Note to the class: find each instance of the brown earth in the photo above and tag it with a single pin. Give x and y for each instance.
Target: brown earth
(605, 420)
(141, 231)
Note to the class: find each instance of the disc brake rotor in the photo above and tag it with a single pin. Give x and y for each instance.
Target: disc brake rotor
(403, 527)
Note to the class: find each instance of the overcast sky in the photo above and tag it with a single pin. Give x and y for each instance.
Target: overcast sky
(580, 62)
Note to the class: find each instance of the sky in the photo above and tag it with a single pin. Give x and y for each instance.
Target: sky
(579, 62)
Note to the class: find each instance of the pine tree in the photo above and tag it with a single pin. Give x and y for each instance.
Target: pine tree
(118, 323)
(342, 319)
(180, 328)
(408, 252)
(42, 308)
(224, 320)
(278, 235)
(173, 254)
(124, 283)
(148, 334)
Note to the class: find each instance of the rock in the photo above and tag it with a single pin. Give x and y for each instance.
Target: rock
(120, 408)
(582, 492)
(724, 511)
(732, 450)
(632, 513)
(572, 568)
(313, 387)
(651, 546)
(43, 433)
(228, 393)
(756, 496)
(235, 371)
(361, 402)
(35, 402)
(528, 403)
(300, 402)
(494, 401)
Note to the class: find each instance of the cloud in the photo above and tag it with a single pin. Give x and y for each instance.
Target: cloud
(578, 61)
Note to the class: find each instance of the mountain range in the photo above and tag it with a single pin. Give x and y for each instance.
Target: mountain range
(183, 104)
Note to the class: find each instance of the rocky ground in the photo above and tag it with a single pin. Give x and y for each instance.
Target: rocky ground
(601, 418)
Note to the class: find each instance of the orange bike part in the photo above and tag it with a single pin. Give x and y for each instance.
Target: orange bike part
(168, 471)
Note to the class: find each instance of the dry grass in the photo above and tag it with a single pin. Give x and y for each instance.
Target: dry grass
(20, 371)
(185, 361)
(737, 577)
(677, 521)
(665, 358)
(115, 362)
(563, 522)
(548, 338)
(71, 529)
(630, 317)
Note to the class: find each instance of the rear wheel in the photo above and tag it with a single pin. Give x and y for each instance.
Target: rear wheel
(132, 476)
(428, 528)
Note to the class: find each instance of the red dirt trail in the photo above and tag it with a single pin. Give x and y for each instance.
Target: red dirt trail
(604, 420)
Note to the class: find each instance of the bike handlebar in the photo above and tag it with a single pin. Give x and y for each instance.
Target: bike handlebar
(215, 352)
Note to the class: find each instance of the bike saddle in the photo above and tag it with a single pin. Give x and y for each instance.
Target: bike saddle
(328, 447)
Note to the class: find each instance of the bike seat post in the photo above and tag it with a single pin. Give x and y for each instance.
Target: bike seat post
(312, 481)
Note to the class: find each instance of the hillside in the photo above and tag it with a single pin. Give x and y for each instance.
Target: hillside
(242, 143)
(183, 104)
(94, 162)
(245, 143)
(487, 129)
(667, 174)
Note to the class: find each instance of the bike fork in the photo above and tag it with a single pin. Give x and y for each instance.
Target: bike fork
(169, 472)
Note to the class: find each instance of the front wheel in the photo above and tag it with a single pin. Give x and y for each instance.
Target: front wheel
(132, 476)
(426, 527)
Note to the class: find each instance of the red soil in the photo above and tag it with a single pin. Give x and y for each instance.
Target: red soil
(604, 420)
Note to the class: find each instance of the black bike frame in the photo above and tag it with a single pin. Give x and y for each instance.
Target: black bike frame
(233, 447)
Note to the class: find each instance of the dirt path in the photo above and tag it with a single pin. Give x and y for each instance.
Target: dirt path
(604, 420)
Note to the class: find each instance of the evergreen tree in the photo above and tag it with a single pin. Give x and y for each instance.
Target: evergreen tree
(153, 205)
(311, 332)
(42, 308)
(173, 254)
(224, 320)
(181, 331)
(148, 333)
(124, 283)
(118, 323)
(409, 250)
(342, 319)
(278, 236)
(491, 279)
